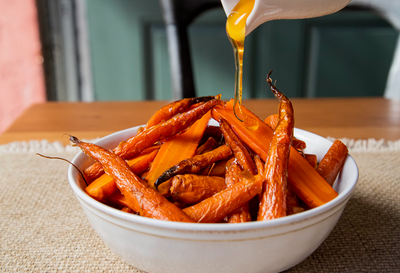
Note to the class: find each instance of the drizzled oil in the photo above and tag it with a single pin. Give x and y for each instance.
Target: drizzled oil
(236, 32)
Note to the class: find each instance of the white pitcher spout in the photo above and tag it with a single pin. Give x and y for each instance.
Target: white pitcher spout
(268, 10)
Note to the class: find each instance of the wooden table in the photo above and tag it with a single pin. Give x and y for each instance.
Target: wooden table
(358, 118)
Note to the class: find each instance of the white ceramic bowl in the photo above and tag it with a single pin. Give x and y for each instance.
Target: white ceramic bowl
(162, 246)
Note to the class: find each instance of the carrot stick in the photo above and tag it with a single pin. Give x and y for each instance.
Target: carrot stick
(333, 161)
(104, 186)
(141, 198)
(117, 199)
(272, 121)
(207, 146)
(216, 207)
(177, 149)
(312, 159)
(191, 189)
(133, 146)
(307, 183)
(195, 164)
(273, 199)
(239, 150)
(242, 214)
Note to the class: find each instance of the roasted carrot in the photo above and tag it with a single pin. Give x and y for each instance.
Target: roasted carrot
(214, 132)
(141, 198)
(207, 146)
(134, 145)
(177, 149)
(195, 164)
(298, 144)
(233, 171)
(312, 159)
(273, 199)
(333, 161)
(170, 110)
(239, 150)
(221, 204)
(259, 165)
(307, 183)
(117, 199)
(104, 186)
(191, 189)
(218, 169)
(272, 121)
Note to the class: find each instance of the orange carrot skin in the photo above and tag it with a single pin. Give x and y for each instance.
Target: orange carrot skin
(298, 144)
(207, 146)
(221, 204)
(118, 199)
(308, 185)
(171, 127)
(218, 169)
(272, 121)
(273, 200)
(242, 214)
(140, 197)
(239, 150)
(105, 185)
(178, 148)
(333, 161)
(195, 164)
(134, 145)
(173, 108)
(312, 159)
(191, 189)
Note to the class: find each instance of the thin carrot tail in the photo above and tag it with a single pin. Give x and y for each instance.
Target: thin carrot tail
(278, 94)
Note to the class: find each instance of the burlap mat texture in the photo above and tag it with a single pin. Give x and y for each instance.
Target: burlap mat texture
(43, 228)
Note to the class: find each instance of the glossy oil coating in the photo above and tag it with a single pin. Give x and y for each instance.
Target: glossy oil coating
(131, 147)
(273, 200)
(140, 197)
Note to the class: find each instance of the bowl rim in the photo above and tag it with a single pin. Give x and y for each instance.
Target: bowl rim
(206, 227)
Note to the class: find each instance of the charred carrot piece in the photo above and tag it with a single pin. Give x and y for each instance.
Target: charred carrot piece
(207, 146)
(170, 110)
(195, 164)
(105, 185)
(242, 214)
(176, 149)
(134, 145)
(307, 183)
(191, 189)
(141, 198)
(221, 204)
(273, 200)
(333, 161)
(239, 150)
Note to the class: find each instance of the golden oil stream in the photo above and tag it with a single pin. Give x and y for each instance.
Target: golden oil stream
(236, 31)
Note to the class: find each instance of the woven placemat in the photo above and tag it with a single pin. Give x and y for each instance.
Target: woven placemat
(43, 228)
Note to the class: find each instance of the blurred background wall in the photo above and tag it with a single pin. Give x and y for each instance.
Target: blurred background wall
(117, 50)
(21, 76)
